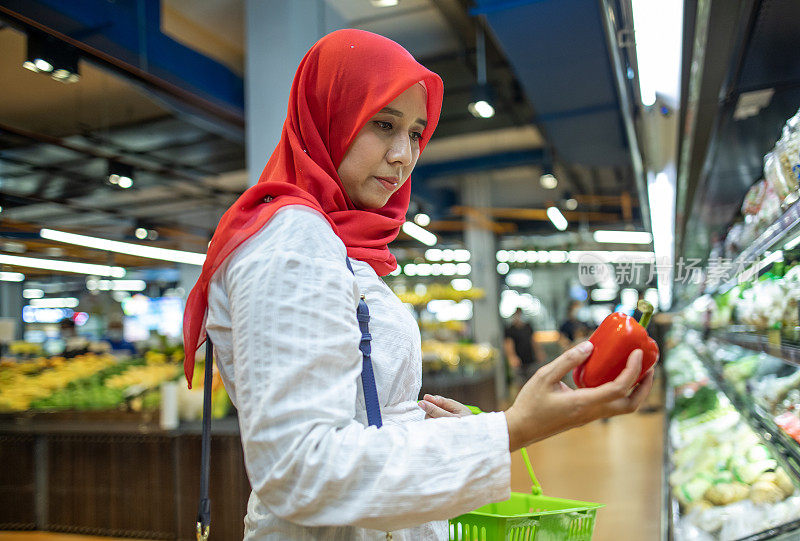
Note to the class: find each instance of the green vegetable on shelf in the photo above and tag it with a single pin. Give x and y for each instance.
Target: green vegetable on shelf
(703, 400)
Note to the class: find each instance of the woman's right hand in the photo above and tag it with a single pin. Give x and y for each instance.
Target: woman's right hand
(546, 406)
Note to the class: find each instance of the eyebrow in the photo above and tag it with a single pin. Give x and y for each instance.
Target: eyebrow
(395, 112)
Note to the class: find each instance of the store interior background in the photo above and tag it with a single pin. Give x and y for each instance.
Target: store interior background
(660, 136)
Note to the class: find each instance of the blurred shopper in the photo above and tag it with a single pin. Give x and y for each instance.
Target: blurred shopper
(523, 352)
(573, 330)
(115, 337)
(278, 299)
(74, 344)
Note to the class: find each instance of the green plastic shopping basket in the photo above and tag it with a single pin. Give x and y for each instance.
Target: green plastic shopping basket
(527, 517)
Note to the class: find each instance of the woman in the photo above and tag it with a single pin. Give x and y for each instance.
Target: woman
(281, 311)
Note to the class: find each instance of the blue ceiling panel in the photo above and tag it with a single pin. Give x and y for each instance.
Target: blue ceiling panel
(559, 54)
(130, 31)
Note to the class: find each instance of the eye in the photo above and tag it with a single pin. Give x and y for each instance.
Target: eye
(416, 136)
(387, 126)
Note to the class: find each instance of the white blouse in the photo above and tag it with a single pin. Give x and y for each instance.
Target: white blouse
(282, 316)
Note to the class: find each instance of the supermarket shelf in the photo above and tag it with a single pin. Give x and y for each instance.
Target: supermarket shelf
(782, 230)
(788, 351)
(785, 449)
(669, 515)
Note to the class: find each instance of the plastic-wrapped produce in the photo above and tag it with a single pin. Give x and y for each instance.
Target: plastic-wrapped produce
(784, 186)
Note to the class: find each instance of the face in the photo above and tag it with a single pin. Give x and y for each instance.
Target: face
(385, 151)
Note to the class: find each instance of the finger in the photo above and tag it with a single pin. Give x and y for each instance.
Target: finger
(626, 379)
(447, 404)
(631, 403)
(643, 389)
(557, 369)
(432, 411)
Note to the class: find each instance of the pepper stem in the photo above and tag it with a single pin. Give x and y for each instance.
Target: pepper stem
(647, 312)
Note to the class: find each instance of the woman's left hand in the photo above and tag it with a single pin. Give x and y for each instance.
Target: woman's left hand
(439, 406)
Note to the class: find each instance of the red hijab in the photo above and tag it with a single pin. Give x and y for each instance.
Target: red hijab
(342, 82)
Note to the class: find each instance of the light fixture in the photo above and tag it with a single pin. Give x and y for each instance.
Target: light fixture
(603, 295)
(661, 198)
(548, 181)
(481, 104)
(658, 31)
(141, 233)
(557, 218)
(422, 219)
(150, 252)
(383, 3)
(55, 302)
(32, 293)
(11, 276)
(120, 174)
(63, 266)
(571, 203)
(52, 57)
(93, 284)
(623, 237)
(418, 233)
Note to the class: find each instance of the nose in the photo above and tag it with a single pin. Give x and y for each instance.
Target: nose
(400, 151)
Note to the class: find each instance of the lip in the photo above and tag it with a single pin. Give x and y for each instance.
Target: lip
(390, 183)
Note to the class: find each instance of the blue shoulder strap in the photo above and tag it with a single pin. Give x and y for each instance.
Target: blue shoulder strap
(367, 375)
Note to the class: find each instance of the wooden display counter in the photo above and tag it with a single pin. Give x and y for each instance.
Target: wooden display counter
(122, 477)
(119, 474)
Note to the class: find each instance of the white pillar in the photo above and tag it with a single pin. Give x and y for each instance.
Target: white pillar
(279, 33)
(11, 302)
(482, 244)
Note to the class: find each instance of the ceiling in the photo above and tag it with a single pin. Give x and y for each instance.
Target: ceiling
(178, 116)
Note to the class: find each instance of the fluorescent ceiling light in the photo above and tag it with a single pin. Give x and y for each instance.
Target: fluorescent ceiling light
(603, 295)
(11, 276)
(461, 284)
(557, 218)
(383, 3)
(115, 285)
(623, 237)
(661, 195)
(163, 254)
(32, 293)
(416, 232)
(63, 266)
(422, 219)
(658, 30)
(55, 302)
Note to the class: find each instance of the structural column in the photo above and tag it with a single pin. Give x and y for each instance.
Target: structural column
(482, 244)
(279, 33)
(11, 302)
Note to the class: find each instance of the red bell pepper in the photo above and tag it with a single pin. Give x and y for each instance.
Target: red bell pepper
(614, 340)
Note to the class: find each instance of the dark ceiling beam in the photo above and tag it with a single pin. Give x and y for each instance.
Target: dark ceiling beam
(574, 177)
(223, 116)
(480, 163)
(464, 28)
(165, 172)
(73, 207)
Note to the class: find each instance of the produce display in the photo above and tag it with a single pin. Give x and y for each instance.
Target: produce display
(453, 356)
(727, 483)
(439, 292)
(23, 383)
(94, 382)
(766, 199)
(770, 302)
